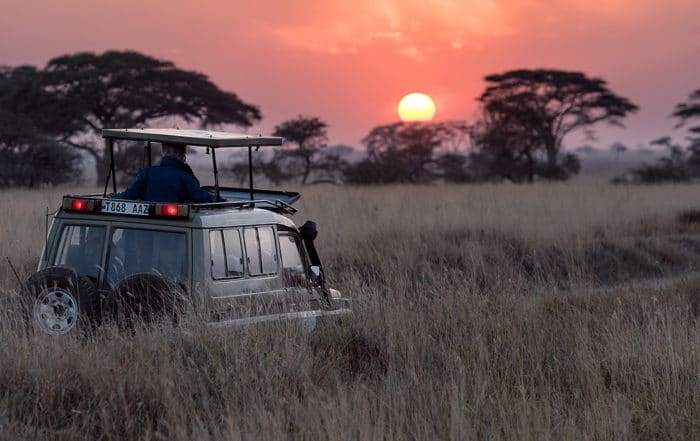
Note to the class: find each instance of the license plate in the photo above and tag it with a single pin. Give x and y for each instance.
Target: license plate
(121, 207)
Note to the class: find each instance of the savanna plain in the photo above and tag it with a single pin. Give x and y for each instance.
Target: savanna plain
(546, 311)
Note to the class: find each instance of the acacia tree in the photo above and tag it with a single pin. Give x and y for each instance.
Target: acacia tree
(689, 110)
(686, 112)
(404, 152)
(28, 156)
(506, 143)
(129, 89)
(308, 137)
(541, 107)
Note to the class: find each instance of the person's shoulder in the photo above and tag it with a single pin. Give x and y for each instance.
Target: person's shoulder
(143, 173)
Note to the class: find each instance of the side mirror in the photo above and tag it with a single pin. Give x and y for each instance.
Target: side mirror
(308, 230)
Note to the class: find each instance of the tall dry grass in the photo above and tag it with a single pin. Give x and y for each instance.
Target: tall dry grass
(465, 327)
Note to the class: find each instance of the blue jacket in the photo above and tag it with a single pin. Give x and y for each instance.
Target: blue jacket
(169, 181)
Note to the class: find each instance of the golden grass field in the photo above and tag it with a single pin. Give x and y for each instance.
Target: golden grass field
(480, 312)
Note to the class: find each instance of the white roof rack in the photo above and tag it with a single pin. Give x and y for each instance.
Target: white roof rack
(205, 138)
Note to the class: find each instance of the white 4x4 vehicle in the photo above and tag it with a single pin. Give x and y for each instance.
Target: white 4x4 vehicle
(236, 262)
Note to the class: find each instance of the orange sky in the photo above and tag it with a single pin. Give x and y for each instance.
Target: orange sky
(349, 62)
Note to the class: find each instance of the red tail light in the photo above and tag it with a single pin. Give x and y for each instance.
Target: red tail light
(172, 210)
(79, 204)
(169, 210)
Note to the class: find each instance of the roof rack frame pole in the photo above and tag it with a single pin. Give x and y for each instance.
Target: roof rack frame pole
(216, 174)
(110, 142)
(109, 172)
(250, 171)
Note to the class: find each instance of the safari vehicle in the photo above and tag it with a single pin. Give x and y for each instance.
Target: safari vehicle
(236, 262)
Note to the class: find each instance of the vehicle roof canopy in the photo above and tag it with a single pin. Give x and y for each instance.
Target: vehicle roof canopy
(204, 138)
(192, 137)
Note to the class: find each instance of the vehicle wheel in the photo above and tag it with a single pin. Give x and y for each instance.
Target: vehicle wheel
(58, 300)
(148, 297)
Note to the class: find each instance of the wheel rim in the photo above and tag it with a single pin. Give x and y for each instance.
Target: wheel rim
(56, 311)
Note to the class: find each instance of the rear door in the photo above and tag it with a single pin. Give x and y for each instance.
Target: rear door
(138, 248)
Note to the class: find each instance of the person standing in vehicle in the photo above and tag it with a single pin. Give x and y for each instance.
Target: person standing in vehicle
(172, 180)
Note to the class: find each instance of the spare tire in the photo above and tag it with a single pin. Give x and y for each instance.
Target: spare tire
(148, 297)
(57, 300)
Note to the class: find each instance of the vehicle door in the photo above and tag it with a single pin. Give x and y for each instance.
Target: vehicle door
(141, 248)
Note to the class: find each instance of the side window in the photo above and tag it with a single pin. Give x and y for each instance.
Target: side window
(252, 248)
(234, 253)
(218, 264)
(80, 247)
(268, 250)
(226, 254)
(260, 250)
(292, 263)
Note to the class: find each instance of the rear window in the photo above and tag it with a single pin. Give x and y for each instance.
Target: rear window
(134, 251)
(80, 247)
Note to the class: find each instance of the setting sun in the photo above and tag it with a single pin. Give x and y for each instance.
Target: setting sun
(416, 107)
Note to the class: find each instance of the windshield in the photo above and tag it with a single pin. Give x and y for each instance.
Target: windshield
(133, 251)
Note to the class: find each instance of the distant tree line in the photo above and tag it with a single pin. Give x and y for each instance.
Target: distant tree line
(51, 118)
(682, 161)
(526, 114)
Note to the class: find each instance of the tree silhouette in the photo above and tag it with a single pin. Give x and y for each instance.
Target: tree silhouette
(675, 167)
(618, 149)
(681, 163)
(28, 156)
(689, 110)
(404, 152)
(685, 112)
(453, 167)
(129, 89)
(308, 135)
(528, 112)
(505, 143)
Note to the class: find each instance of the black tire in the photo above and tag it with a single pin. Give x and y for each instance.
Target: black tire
(58, 301)
(147, 297)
